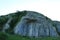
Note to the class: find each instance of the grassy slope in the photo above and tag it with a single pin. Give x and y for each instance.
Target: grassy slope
(4, 36)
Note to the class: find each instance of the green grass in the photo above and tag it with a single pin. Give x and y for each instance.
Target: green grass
(27, 38)
(4, 36)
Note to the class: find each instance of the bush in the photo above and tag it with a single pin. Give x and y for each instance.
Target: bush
(3, 20)
(3, 36)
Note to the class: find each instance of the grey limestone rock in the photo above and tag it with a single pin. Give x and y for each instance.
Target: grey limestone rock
(34, 24)
(57, 26)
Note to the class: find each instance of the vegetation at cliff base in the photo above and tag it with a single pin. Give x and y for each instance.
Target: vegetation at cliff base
(5, 36)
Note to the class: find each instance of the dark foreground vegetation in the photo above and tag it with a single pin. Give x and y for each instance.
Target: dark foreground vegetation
(5, 36)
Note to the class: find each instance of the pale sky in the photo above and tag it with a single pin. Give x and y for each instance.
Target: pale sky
(49, 8)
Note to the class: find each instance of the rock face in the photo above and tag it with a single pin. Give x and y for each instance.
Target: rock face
(29, 23)
(57, 25)
(34, 24)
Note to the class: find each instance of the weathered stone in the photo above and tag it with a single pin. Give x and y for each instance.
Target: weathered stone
(35, 24)
(57, 26)
(29, 23)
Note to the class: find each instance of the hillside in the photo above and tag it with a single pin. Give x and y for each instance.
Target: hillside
(28, 25)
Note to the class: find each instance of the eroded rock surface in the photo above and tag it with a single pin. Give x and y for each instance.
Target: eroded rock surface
(35, 24)
(57, 26)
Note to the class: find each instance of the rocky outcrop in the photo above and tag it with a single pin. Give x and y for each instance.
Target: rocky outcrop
(57, 26)
(29, 23)
(6, 25)
(35, 24)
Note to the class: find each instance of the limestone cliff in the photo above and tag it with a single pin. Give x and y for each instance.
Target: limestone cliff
(29, 23)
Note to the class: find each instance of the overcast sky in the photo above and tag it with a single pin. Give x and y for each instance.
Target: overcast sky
(50, 8)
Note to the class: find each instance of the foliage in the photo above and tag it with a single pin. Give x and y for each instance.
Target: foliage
(16, 37)
(16, 18)
(3, 20)
(3, 36)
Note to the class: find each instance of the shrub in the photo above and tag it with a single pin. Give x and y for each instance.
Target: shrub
(3, 36)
